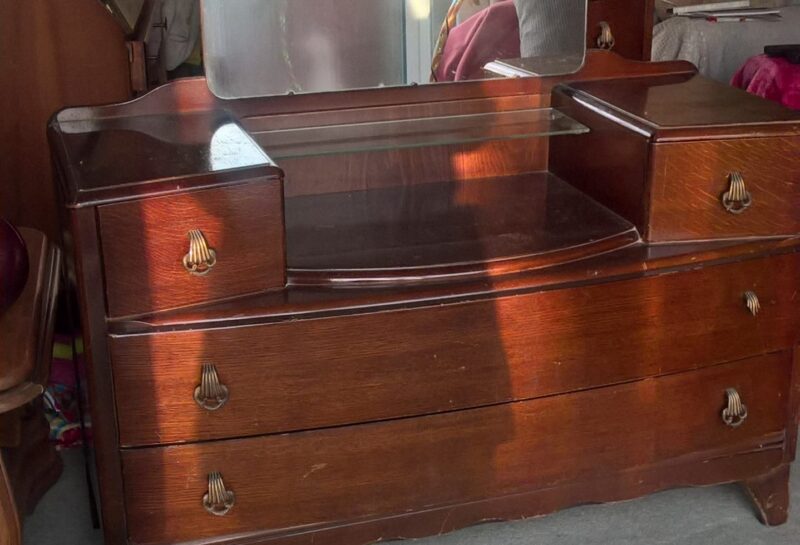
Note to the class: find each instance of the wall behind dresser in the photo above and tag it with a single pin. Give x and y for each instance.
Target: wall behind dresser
(53, 53)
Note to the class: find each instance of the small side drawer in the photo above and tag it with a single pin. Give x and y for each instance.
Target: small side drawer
(690, 182)
(179, 250)
(238, 381)
(187, 492)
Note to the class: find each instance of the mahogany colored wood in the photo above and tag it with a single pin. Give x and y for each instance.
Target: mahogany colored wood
(13, 265)
(609, 163)
(675, 140)
(302, 302)
(631, 23)
(144, 243)
(80, 58)
(10, 531)
(463, 228)
(406, 408)
(33, 466)
(349, 473)
(688, 181)
(183, 151)
(29, 464)
(618, 486)
(489, 352)
(770, 495)
(87, 269)
(685, 107)
(406, 167)
(192, 94)
(26, 328)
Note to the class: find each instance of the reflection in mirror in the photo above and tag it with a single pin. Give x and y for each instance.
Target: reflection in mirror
(269, 47)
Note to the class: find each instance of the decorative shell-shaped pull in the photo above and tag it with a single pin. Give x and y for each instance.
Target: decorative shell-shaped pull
(211, 394)
(752, 303)
(735, 413)
(737, 199)
(606, 38)
(218, 500)
(200, 259)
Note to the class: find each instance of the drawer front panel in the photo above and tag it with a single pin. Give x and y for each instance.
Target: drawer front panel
(689, 181)
(372, 470)
(313, 373)
(146, 245)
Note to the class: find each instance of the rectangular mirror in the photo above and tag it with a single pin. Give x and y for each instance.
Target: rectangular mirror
(270, 47)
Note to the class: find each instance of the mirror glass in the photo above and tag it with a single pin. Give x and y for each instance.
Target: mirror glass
(271, 47)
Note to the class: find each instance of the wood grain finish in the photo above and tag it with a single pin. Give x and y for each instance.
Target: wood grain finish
(488, 352)
(683, 107)
(405, 167)
(403, 411)
(770, 495)
(287, 481)
(144, 243)
(87, 266)
(613, 486)
(612, 164)
(688, 181)
(429, 232)
(631, 23)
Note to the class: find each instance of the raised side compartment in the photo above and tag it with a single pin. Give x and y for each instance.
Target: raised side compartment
(692, 195)
(352, 473)
(149, 250)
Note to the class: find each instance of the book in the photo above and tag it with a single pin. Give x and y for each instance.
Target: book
(738, 15)
(713, 6)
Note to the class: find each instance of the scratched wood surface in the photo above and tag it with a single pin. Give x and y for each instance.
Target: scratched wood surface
(688, 181)
(144, 243)
(330, 476)
(358, 368)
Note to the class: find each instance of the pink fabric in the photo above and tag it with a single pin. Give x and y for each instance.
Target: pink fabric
(772, 78)
(490, 34)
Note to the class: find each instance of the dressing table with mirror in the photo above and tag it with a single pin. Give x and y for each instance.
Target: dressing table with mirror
(317, 314)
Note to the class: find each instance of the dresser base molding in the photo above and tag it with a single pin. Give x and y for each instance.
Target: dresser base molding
(762, 469)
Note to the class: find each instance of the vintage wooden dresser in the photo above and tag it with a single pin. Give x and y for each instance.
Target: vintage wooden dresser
(398, 312)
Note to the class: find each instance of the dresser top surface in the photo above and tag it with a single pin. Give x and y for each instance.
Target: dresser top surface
(459, 228)
(685, 103)
(111, 156)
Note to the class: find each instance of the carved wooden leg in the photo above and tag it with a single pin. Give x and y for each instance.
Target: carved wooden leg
(770, 494)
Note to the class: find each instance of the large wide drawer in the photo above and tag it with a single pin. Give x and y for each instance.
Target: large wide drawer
(380, 469)
(168, 252)
(323, 372)
(694, 192)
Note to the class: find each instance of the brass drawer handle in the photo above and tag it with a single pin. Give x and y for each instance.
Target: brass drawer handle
(735, 413)
(606, 38)
(218, 500)
(752, 303)
(211, 394)
(737, 199)
(200, 259)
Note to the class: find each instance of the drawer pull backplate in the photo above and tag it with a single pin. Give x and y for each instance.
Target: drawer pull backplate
(735, 413)
(218, 501)
(211, 394)
(200, 259)
(737, 199)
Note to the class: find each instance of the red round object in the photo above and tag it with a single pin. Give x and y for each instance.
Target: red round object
(13, 264)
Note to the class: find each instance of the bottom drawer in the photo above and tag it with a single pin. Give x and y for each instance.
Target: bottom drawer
(370, 470)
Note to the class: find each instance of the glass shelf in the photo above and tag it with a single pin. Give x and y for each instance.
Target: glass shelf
(418, 132)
